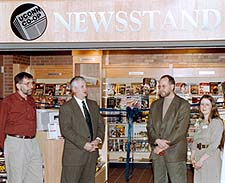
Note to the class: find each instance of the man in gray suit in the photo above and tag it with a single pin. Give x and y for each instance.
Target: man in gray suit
(83, 129)
(167, 129)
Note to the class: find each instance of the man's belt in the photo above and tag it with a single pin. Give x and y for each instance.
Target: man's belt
(21, 136)
(202, 146)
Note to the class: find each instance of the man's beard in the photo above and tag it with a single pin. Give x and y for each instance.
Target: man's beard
(26, 92)
(165, 94)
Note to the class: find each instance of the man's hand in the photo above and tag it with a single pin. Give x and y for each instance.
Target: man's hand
(95, 143)
(157, 150)
(162, 143)
(89, 147)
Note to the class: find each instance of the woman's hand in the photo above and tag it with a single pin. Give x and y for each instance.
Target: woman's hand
(198, 164)
(193, 162)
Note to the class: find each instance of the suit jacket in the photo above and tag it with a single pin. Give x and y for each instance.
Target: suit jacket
(74, 129)
(172, 127)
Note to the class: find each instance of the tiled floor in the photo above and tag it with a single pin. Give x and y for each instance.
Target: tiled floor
(140, 175)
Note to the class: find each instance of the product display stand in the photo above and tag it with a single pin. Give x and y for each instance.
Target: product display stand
(130, 114)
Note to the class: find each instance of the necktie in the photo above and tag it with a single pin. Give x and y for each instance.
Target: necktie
(88, 119)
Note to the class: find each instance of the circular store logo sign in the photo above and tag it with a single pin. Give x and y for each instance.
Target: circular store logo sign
(28, 21)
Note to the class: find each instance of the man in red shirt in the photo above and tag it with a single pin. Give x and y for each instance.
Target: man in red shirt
(17, 133)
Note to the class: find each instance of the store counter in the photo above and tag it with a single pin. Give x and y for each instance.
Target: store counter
(52, 157)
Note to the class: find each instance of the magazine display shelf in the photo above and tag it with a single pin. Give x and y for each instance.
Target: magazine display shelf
(127, 149)
(3, 176)
(128, 144)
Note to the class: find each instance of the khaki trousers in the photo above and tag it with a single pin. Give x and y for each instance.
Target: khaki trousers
(23, 160)
(177, 171)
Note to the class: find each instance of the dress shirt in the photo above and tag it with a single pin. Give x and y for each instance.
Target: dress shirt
(17, 116)
(79, 102)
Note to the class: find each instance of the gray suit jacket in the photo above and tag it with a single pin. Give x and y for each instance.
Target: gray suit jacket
(75, 131)
(172, 127)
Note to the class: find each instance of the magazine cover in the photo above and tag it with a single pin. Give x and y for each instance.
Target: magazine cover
(121, 102)
(110, 145)
(133, 101)
(61, 100)
(145, 102)
(144, 116)
(149, 86)
(122, 145)
(223, 87)
(181, 88)
(39, 89)
(194, 88)
(50, 89)
(214, 88)
(120, 89)
(140, 131)
(38, 101)
(120, 131)
(116, 117)
(204, 88)
(111, 102)
(137, 88)
(129, 89)
(68, 89)
(110, 89)
(60, 89)
(138, 118)
(112, 131)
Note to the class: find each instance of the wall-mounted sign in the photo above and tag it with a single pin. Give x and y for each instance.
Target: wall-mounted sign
(28, 21)
(75, 21)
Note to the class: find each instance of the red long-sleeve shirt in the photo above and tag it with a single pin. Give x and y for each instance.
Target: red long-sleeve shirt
(17, 116)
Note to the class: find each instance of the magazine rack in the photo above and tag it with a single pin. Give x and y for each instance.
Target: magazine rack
(131, 113)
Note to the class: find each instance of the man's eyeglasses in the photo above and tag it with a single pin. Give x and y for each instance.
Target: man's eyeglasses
(28, 83)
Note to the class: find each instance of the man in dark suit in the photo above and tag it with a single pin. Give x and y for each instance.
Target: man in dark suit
(83, 129)
(167, 129)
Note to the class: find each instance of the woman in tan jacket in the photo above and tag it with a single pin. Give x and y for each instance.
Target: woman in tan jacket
(205, 152)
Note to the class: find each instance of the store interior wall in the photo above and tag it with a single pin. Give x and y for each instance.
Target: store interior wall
(39, 66)
(116, 64)
(184, 65)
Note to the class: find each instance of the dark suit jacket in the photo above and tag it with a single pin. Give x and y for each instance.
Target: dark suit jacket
(172, 127)
(75, 131)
